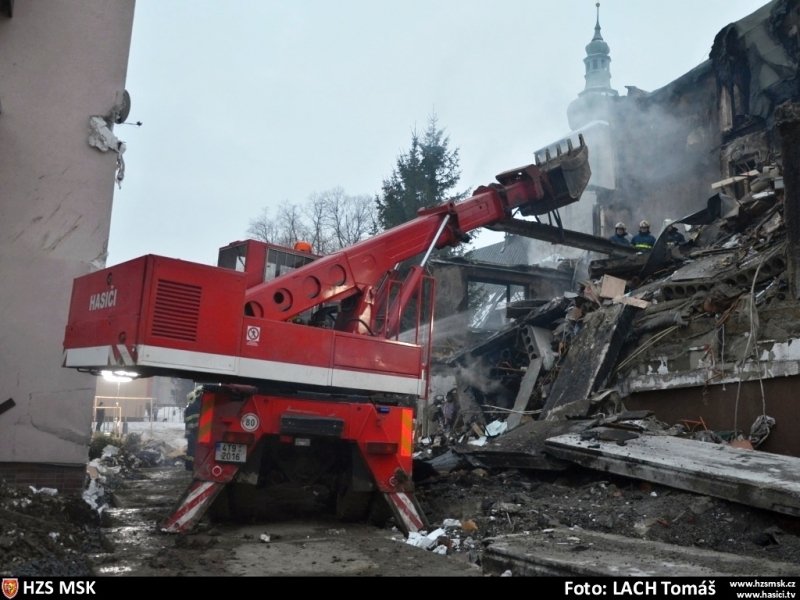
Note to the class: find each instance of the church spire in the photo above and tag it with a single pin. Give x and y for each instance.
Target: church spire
(597, 35)
(598, 62)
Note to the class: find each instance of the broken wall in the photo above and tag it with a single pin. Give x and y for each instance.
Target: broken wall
(714, 341)
(729, 407)
(60, 63)
(713, 122)
(665, 143)
(753, 68)
(453, 310)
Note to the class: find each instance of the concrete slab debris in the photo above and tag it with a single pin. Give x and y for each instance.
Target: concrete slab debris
(523, 448)
(580, 552)
(759, 479)
(591, 358)
(525, 391)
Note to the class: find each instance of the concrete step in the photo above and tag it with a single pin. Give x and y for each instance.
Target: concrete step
(580, 552)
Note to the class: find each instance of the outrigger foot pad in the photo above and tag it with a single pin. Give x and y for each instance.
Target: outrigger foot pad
(406, 511)
(192, 506)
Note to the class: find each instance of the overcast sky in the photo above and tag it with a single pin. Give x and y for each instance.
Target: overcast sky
(247, 104)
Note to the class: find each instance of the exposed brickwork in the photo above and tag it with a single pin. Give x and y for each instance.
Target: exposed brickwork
(67, 479)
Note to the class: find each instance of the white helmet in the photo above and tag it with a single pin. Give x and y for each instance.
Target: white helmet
(620, 225)
(644, 225)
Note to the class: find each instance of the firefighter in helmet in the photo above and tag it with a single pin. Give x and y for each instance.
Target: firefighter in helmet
(620, 236)
(674, 237)
(191, 417)
(643, 240)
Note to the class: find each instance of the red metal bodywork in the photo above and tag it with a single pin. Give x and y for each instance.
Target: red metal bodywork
(237, 324)
(157, 302)
(227, 417)
(363, 423)
(169, 316)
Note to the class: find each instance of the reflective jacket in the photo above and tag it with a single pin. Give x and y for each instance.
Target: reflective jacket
(643, 241)
(191, 413)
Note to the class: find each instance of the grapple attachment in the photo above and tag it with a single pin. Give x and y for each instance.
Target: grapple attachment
(564, 177)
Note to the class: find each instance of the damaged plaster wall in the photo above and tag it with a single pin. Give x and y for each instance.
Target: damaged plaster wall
(665, 148)
(62, 62)
(712, 122)
(665, 145)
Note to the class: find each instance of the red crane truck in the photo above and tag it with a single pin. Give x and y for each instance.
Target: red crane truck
(312, 366)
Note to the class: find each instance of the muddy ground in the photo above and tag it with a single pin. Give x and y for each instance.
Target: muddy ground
(42, 534)
(319, 545)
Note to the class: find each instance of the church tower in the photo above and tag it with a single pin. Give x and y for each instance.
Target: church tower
(593, 103)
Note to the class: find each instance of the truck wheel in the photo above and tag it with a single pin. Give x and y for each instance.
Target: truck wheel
(219, 511)
(352, 506)
(379, 511)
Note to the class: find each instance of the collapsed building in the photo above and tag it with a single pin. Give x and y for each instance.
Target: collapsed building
(703, 335)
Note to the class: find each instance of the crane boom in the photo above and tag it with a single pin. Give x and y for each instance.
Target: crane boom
(534, 189)
(325, 356)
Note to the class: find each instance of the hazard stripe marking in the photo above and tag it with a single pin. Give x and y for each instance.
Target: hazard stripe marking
(192, 507)
(126, 357)
(407, 511)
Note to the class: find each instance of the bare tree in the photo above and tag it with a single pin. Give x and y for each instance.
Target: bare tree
(263, 228)
(351, 219)
(291, 225)
(285, 228)
(317, 211)
(330, 220)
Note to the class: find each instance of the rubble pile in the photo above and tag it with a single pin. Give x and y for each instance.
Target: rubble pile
(708, 308)
(114, 459)
(134, 452)
(45, 533)
(495, 503)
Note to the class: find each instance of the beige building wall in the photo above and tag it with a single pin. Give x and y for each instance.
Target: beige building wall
(60, 64)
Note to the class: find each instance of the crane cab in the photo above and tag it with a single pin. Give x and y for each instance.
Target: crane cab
(263, 261)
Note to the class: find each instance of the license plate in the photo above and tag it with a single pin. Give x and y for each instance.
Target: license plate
(235, 453)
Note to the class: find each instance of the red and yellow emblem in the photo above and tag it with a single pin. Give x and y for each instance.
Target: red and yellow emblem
(10, 587)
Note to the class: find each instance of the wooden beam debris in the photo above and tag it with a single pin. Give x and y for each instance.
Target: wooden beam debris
(631, 301)
(731, 180)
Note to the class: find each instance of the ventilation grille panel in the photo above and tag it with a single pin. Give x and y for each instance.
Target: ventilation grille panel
(176, 313)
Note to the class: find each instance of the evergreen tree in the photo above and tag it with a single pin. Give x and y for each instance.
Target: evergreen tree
(423, 177)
